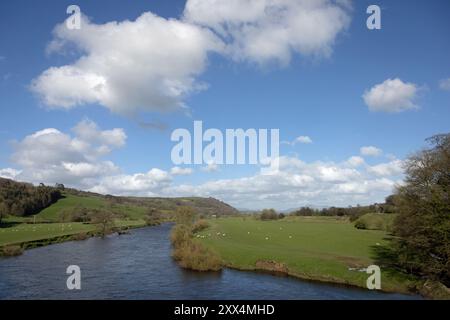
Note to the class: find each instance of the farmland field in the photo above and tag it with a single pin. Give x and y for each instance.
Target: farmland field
(24, 229)
(317, 248)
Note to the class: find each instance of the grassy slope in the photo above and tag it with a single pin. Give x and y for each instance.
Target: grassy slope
(70, 201)
(20, 232)
(131, 212)
(319, 248)
(52, 213)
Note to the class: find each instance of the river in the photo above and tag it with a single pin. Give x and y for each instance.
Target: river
(139, 266)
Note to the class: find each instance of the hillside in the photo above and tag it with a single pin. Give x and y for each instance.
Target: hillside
(39, 215)
(51, 203)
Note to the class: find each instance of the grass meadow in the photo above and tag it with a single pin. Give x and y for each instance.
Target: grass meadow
(318, 248)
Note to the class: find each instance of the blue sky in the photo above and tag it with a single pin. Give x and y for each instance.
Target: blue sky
(316, 92)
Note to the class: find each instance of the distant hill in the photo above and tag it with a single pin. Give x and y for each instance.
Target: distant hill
(50, 202)
(205, 206)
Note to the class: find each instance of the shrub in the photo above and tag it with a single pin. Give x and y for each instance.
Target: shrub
(193, 255)
(269, 214)
(76, 214)
(185, 215)
(153, 217)
(12, 250)
(360, 225)
(80, 236)
(199, 226)
(103, 220)
(179, 235)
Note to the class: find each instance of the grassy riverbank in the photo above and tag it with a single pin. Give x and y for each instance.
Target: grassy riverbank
(317, 248)
(78, 214)
(48, 224)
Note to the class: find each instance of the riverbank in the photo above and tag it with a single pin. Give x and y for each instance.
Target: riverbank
(323, 249)
(18, 237)
(139, 266)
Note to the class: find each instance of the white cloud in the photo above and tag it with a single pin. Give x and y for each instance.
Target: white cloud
(149, 64)
(9, 173)
(177, 171)
(392, 168)
(355, 161)
(303, 139)
(152, 63)
(444, 84)
(265, 30)
(210, 167)
(393, 95)
(298, 183)
(51, 156)
(370, 151)
(140, 184)
(300, 139)
(88, 130)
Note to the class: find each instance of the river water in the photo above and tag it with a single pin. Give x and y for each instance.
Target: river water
(139, 266)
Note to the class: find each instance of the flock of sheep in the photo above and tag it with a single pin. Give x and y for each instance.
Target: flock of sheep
(223, 235)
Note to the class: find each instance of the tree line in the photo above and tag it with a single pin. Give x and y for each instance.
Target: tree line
(422, 227)
(23, 199)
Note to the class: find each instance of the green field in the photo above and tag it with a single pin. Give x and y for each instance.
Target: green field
(53, 212)
(32, 232)
(316, 248)
(23, 229)
(53, 222)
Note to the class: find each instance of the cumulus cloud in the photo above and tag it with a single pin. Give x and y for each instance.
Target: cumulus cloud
(303, 139)
(265, 30)
(393, 95)
(150, 183)
(210, 167)
(392, 168)
(177, 171)
(149, 64)
(370, 151)
(355, 161)
(300, 139)
(50, 155)
(444, 84)
(298, 183)
(152, 63)
(77, 160)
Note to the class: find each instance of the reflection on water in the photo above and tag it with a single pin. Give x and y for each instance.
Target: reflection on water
(139, 266)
